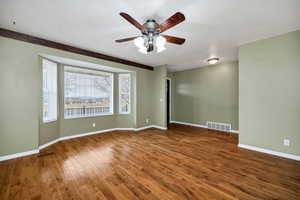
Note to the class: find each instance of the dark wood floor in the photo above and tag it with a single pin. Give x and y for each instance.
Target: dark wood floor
(181, 163)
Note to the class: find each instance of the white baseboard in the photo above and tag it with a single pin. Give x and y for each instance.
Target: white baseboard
(199, 125)
(35, 151)
(235, 131)
(17, 155)
(160, 127)
(143, 128)
(151, 126)
(86, 134)
(276, 153)
(125, 129)
(189, 124)
(49, 143)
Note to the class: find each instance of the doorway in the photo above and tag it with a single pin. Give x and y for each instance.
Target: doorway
(168, 102)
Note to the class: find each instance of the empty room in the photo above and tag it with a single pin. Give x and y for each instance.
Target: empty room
(149, 100)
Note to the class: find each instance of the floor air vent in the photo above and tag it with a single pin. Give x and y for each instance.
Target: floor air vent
(218, 126)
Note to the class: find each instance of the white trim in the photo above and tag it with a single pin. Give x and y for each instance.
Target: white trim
(189, 124)
(276, 153)
(143, 128)
(235, 131)
(35, 151)
(86, 134)
(49, 121)
(125, 129)
(17, 155)
(201, 126)
(159, 127)
(49, 143)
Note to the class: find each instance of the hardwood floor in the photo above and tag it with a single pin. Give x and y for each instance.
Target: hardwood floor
(181, 163)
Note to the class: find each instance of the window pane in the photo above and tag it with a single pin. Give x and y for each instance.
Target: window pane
(49, 91)
(87, 92)
(124, 93)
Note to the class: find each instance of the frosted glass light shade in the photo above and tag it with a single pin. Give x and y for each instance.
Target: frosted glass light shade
(139, 42)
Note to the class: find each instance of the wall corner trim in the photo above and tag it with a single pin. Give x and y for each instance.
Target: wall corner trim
(35, 151)
(199, 125)
(276, 153)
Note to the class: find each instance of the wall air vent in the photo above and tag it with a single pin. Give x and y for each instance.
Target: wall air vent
(218, 126)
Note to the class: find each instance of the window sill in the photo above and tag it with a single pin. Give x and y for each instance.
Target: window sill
(49, 121)
(124, 113)
(100, 115)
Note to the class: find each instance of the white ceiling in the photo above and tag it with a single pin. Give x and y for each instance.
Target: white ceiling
(212, 27)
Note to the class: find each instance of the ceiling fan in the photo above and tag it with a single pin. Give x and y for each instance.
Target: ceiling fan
(151, 33)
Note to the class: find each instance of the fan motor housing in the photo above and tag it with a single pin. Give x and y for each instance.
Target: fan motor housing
(151, 26)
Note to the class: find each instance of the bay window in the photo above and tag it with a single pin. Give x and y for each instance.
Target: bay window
(49, 90)
(87, 92)
(124, 93)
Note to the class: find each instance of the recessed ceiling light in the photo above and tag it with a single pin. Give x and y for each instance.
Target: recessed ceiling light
(213, 61)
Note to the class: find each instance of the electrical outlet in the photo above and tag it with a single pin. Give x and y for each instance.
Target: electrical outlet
(94, 124)
(286, 142)
(147, 121)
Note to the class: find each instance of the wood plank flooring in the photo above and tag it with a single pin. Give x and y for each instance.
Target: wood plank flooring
(181, 163)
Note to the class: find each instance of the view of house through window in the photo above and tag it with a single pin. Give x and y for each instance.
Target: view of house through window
(49, 91)
(87, 92)
(124, 93)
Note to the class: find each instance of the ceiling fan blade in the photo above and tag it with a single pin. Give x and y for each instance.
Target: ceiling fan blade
(126, 39)
(174, 40)
(172, 21)
(132, 21)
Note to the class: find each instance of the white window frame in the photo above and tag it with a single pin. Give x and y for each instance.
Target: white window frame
(120, 93)
(55, 92)
(112, 93)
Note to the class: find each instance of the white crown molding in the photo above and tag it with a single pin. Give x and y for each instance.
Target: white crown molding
(35, 151)
(199, 125)
(276, 153)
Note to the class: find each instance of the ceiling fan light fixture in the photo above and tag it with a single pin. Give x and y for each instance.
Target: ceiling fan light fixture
(213, 61)
(160, 41)
(151, 39)
(139, 42)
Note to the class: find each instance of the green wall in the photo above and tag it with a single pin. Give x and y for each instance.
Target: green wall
(160, 96)
(206, 93)
(20, 99)
(269, 88)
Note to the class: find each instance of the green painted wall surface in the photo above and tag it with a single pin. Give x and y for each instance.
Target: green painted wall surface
(270, 93)
(20, 98)
(144, 94)
(206, 93)
(159, 94)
